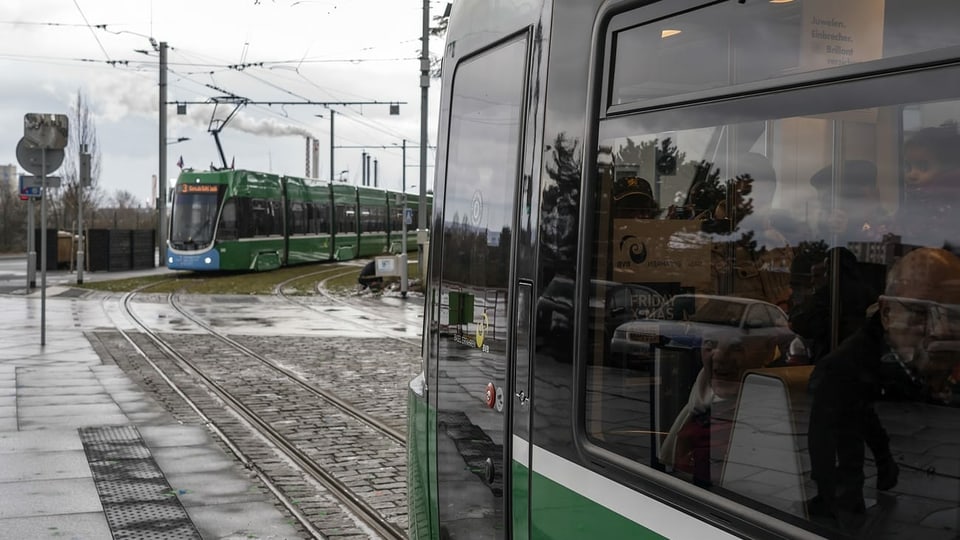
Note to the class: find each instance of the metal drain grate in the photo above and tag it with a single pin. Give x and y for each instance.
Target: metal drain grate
(136, 498)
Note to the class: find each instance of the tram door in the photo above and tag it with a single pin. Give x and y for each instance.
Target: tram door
(521, 411)
(473, 399)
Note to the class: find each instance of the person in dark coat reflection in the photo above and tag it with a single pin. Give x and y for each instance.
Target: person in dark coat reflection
(846, 381)
(811, 316)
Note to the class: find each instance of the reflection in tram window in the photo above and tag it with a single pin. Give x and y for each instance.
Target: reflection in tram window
(767, 250)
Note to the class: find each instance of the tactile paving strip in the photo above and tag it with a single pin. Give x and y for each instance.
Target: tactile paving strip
(136, 498)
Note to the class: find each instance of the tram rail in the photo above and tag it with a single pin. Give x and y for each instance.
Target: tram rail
(353, 502)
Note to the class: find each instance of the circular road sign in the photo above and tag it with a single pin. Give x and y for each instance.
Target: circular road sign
(30, 157)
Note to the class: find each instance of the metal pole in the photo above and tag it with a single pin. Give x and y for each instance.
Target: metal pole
(424, 95)
(331, 144)
(376, 173)
(84, 163)
(43, 246)
(403, 241)
(31, 244)
(162, 200)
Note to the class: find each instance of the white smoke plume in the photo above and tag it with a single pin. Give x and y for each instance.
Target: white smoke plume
(200, 116)
(133, 95)
(272, 127)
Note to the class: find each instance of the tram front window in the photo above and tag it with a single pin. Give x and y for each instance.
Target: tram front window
(193, 218)
(779, 249)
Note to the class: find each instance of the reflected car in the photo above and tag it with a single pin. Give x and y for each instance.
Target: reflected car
(619, 303)
(753, 332)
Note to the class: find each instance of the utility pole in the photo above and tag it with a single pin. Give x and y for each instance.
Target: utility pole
(422, 238)
(162, 191)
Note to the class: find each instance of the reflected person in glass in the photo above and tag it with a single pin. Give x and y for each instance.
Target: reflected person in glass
(846, 382)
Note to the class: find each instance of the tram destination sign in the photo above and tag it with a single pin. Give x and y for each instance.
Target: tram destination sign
(198, 188)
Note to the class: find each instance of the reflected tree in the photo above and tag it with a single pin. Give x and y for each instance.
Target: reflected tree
(720, 203)
(561, 201)
(660, 157)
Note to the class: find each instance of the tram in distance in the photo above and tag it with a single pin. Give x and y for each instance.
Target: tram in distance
(693, 273)
(247, 220)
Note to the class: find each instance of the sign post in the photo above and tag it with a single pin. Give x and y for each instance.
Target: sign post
(29, 193)
(40, 150)
(31, 247)
(43, 247)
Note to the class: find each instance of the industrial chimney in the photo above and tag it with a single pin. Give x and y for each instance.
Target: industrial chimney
(306, 173)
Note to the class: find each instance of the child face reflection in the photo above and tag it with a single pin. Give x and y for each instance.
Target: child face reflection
(722, 358)
(921, 168)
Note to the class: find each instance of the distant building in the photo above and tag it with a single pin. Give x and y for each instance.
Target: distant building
(885, 252)
(8, 177)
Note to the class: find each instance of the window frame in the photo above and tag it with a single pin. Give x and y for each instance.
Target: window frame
(927, 74)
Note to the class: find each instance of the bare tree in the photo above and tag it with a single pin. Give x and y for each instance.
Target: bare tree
(83, 134)
(124, 200)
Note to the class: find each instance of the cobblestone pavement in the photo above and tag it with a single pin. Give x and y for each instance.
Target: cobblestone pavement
(372, 373)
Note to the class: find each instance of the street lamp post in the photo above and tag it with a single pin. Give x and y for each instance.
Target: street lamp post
(162, 180)
(403, 218)
(332, 112)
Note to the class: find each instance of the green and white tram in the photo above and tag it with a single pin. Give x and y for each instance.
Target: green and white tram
(248, 220)
(693, 272)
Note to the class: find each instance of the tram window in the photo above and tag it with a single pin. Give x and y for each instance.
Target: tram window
(267, 217)
(472, 288)
(227, 230)
(731, 43)
(310, 218)
(261, 217)
(774, 246)
(371, 219)
(346, 219)
(396, 219)
(299, 218)
(322, 214)
(276, 213)
(194, 217)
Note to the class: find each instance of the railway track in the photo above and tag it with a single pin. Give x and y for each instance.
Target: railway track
(287, 386)
(369, 319)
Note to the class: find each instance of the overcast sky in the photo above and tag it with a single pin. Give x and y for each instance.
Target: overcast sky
(317, 50)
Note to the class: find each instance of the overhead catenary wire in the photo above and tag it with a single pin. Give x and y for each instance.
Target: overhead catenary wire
(190, 67)
(105, 53)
